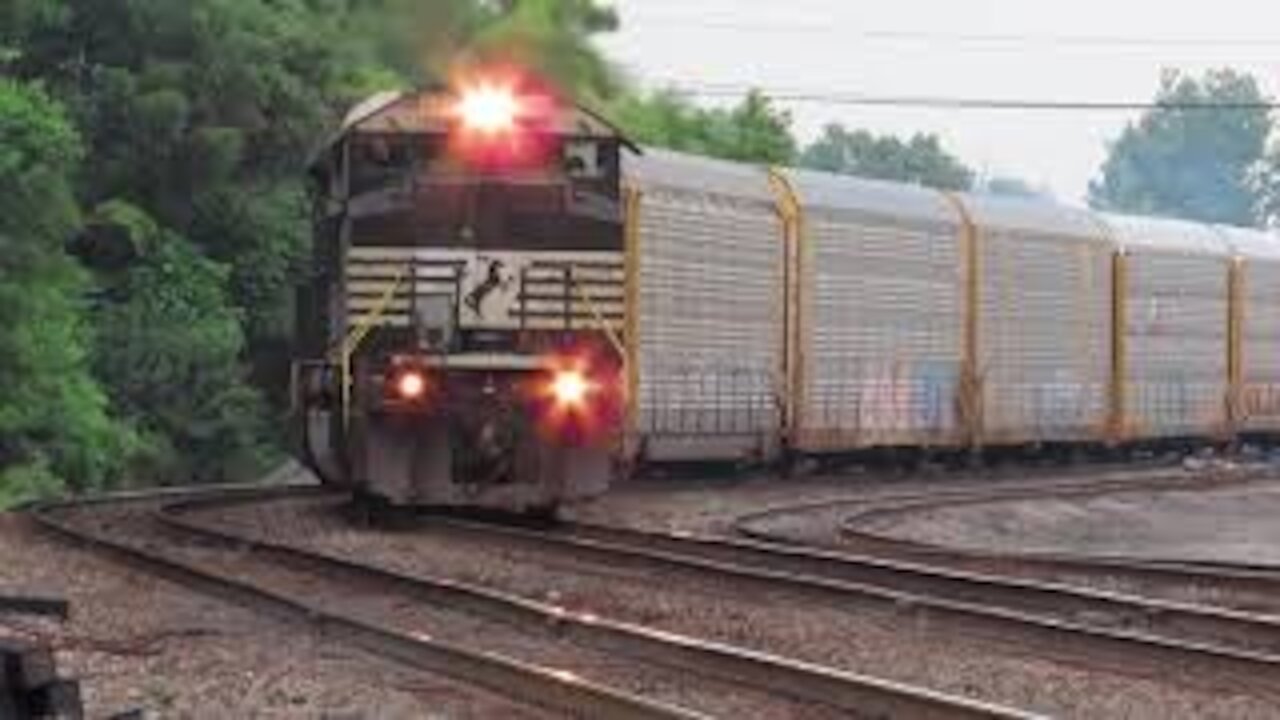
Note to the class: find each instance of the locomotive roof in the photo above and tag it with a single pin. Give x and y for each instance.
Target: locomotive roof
(426, 110)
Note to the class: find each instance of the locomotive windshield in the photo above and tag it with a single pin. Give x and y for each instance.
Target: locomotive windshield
(490, 166)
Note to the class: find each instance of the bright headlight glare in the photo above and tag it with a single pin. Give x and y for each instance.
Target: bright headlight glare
(570, 388)
(489, 109)
(411, 385)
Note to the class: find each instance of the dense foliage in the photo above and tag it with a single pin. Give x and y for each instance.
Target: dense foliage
(167, 150)
(198, 118)
(920, 160)
(54, 427)
(179, 376)
(753, 131)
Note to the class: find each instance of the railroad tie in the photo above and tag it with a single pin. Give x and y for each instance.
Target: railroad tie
(30, 687)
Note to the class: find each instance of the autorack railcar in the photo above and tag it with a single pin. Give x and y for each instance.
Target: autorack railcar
(885, 315)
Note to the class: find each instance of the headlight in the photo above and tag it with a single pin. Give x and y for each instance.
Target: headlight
(570, 389)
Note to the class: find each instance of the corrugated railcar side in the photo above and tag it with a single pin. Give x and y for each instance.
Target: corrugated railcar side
(1175, 328)
(880, 301)
(708, 264)
(1043, 348)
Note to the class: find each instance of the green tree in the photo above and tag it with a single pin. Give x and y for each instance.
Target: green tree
(55, 432)
(200, 117)
(553, 37)
(1188, 162)
(178, 376)
(259, 233)
(755, 130)
(425, 41)
(920, 160)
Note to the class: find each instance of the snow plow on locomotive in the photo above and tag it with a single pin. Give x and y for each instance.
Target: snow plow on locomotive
(461, 328)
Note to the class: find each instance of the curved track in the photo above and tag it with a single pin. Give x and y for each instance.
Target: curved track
(98, 525)
(1205, 645)
(839, 527)
(354, 601)
(1131, 634)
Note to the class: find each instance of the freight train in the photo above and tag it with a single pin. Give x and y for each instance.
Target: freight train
(512, 304)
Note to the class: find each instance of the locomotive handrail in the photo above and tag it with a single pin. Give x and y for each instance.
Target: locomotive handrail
(358, 332)
(609, 330)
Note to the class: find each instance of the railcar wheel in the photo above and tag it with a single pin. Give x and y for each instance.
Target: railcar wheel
(368, 510)
(543, 516)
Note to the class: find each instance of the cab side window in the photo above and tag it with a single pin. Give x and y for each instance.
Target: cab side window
(584, 160)
(382, 161)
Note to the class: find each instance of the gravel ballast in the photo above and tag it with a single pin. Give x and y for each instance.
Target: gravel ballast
(140, 643)
(1228, 524)
(858, 639)
(375, 604)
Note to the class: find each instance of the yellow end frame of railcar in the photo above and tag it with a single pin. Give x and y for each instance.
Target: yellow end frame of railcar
(970, 400)
(791, 372)
(1236, 299)
(1120, 425)
(632, 198)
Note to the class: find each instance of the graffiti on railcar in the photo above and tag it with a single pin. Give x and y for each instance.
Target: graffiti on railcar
(1168, 403)
(1162, 308)
(1064, 401)
(707, 398)
(907, 396)
(938, 382)
(1261, 401)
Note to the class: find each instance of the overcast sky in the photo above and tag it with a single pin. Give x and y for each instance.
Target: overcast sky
(1088, 50)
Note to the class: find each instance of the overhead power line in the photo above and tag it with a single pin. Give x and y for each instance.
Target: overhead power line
(988, 39)
(957, 103)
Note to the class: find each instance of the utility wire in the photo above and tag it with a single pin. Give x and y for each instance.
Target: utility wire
(950, 38)
(955, 103)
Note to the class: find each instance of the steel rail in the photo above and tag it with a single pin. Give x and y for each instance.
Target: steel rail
(1229, 630)
(1211, 622)
(858, 694)
(1239, 578)
(228, 492)
(1161, 478)
(1068, 638)
(35, 605)
(1247, 580)
(889, 507)
(526, 683)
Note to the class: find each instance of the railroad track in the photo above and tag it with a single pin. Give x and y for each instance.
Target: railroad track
(1198, 645)
(1076, 484)
(841, 526)
(157, 534)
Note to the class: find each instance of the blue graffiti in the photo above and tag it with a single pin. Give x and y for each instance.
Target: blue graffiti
(936, 383)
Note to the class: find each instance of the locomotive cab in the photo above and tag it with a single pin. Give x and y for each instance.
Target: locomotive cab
(462, 326)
